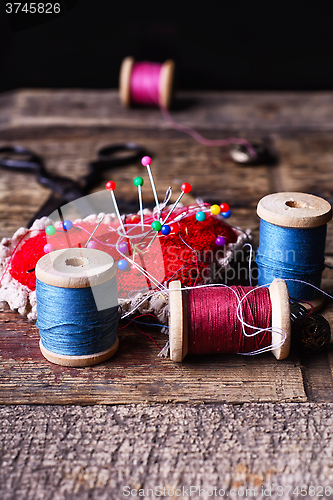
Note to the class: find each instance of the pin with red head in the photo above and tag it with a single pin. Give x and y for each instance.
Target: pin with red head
(111, 186)
(185, 189)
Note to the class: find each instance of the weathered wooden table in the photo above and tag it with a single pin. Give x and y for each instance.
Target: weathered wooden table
(66, 128)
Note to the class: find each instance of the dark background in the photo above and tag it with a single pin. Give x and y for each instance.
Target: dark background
(216, 45)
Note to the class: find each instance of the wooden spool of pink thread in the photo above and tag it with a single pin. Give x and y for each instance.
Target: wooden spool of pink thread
(179, 327)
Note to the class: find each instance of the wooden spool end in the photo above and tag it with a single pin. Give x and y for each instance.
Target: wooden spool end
(177, 322)
(79, 361)
(295, 210)
(178, 327)
(281, 324)
(166, 82)
(76, 268)
(125, 80)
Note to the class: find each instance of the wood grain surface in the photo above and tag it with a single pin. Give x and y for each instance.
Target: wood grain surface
(135, 374)
(101, 452)
(66, 128)
(252, 112)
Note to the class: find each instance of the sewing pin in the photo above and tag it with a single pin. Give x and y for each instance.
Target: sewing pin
(94, 231)
(111, 186)
(146, 161)
(138, 181)
(185, 188)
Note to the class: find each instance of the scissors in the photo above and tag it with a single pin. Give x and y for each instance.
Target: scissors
(64, 189)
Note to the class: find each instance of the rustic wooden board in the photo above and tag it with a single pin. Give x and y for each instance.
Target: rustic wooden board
(305, 162)
(67, 128)
(235, 111)
(214, 177)
(135, 374)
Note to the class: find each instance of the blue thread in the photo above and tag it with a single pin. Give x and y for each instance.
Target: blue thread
(69, 322)
(286, 252)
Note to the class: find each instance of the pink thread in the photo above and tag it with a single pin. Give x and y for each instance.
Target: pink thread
(145, 89)
(203, 140)
(145, 80)
(213, 323)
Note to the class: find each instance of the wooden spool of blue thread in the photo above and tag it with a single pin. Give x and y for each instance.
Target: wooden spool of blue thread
(292, 241)
(78, 268)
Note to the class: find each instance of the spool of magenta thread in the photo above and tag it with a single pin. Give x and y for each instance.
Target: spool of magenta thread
(146, 83)
(200, 316)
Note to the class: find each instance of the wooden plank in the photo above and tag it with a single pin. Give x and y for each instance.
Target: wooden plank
(61, 132)
(214, 177)
(135, 374)
(318, 382)
(231, 379)
(326, 378)
(305, 165)
(46, 110)
(305, 162)
(256, 451)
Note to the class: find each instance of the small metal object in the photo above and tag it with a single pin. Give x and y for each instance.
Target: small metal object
(297, 312)
(312, 334)
(240, 154)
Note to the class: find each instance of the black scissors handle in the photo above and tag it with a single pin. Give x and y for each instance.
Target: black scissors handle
(115, 155)
(22, 159)
(64, 189)
(109, 155)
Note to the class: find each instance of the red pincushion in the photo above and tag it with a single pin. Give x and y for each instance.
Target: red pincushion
(185, 254)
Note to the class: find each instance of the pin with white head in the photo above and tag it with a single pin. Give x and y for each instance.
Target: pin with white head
(138, 181)
(111, 186)
(146, 162)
